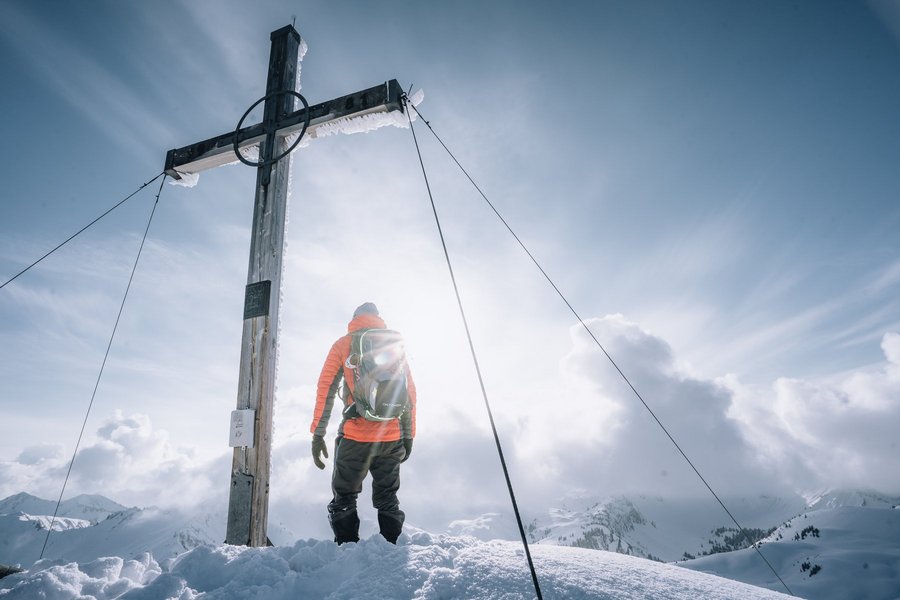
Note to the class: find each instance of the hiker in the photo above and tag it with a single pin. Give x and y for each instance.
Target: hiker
(367, 441)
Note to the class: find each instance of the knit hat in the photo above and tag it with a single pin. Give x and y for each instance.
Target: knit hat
(366, 308)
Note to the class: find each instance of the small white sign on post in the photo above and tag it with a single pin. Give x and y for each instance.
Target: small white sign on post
(242, 428)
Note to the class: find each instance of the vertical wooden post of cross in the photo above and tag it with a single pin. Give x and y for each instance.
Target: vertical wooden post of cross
(248, 500)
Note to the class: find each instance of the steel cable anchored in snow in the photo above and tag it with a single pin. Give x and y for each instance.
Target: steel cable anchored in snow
(593, 337)
(80, 231)
(103, 364)
(487, 404)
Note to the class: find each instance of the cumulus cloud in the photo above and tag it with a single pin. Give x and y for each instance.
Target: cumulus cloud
(127, 459)
(33, 455)
(793, 435)
(600, 438)
(836, 432)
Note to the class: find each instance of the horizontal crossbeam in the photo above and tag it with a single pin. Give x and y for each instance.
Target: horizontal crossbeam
(219, 150)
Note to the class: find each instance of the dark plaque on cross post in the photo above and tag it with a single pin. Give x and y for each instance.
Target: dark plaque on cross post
(249, 485)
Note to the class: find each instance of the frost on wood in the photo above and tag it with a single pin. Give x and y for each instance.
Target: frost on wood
(322, 127)
(187, 180)
(250, 153)
(301, 52)
(360, 124)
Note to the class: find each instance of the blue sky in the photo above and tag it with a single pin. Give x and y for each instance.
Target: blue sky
(714, 184)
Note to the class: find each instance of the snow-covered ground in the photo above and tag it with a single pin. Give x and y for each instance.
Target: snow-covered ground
(101, 549)
(828, 554)
(422, 566)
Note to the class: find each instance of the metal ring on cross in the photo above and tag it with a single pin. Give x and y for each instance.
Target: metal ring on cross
(263, 163)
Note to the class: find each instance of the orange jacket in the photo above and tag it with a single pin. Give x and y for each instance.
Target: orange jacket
(358, 429)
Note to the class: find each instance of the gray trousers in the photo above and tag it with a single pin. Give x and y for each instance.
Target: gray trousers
(352, 462)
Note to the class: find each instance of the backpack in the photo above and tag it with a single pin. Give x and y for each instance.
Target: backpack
(378, 362)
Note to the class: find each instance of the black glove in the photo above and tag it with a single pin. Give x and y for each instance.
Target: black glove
(407, 444)
(319, 447)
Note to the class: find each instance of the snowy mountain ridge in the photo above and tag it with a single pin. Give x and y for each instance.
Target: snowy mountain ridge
(840, 543)
(128, 532)
(662, 529)
(837, 498)
(825, 553)
(45, 522)
(90, 507)
(112, 530)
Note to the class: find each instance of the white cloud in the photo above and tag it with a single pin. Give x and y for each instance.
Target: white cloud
(33, 455)
(127, 459)
(599, 437)
(835, 432)
(891, 346)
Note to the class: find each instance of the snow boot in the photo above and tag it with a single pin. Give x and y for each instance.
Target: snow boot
(345, 525)
(390, 524)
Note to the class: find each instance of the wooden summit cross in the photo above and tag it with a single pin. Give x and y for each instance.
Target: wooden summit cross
(251, 423)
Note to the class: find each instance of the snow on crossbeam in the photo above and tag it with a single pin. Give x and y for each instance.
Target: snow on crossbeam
(378, 100)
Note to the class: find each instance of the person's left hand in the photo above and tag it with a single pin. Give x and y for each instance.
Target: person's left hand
(319, 447)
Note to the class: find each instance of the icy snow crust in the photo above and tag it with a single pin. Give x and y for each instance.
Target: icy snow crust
(421, 567)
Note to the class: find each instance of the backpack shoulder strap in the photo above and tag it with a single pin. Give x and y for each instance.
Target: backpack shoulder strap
(353, 360)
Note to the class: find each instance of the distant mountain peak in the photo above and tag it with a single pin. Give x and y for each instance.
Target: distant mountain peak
(853, 497)
(668, 529)
(20, 497)
(91, 507)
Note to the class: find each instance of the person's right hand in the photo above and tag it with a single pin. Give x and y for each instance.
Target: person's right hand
(407, 445)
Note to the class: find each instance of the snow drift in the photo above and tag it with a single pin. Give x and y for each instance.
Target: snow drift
(420, 567)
